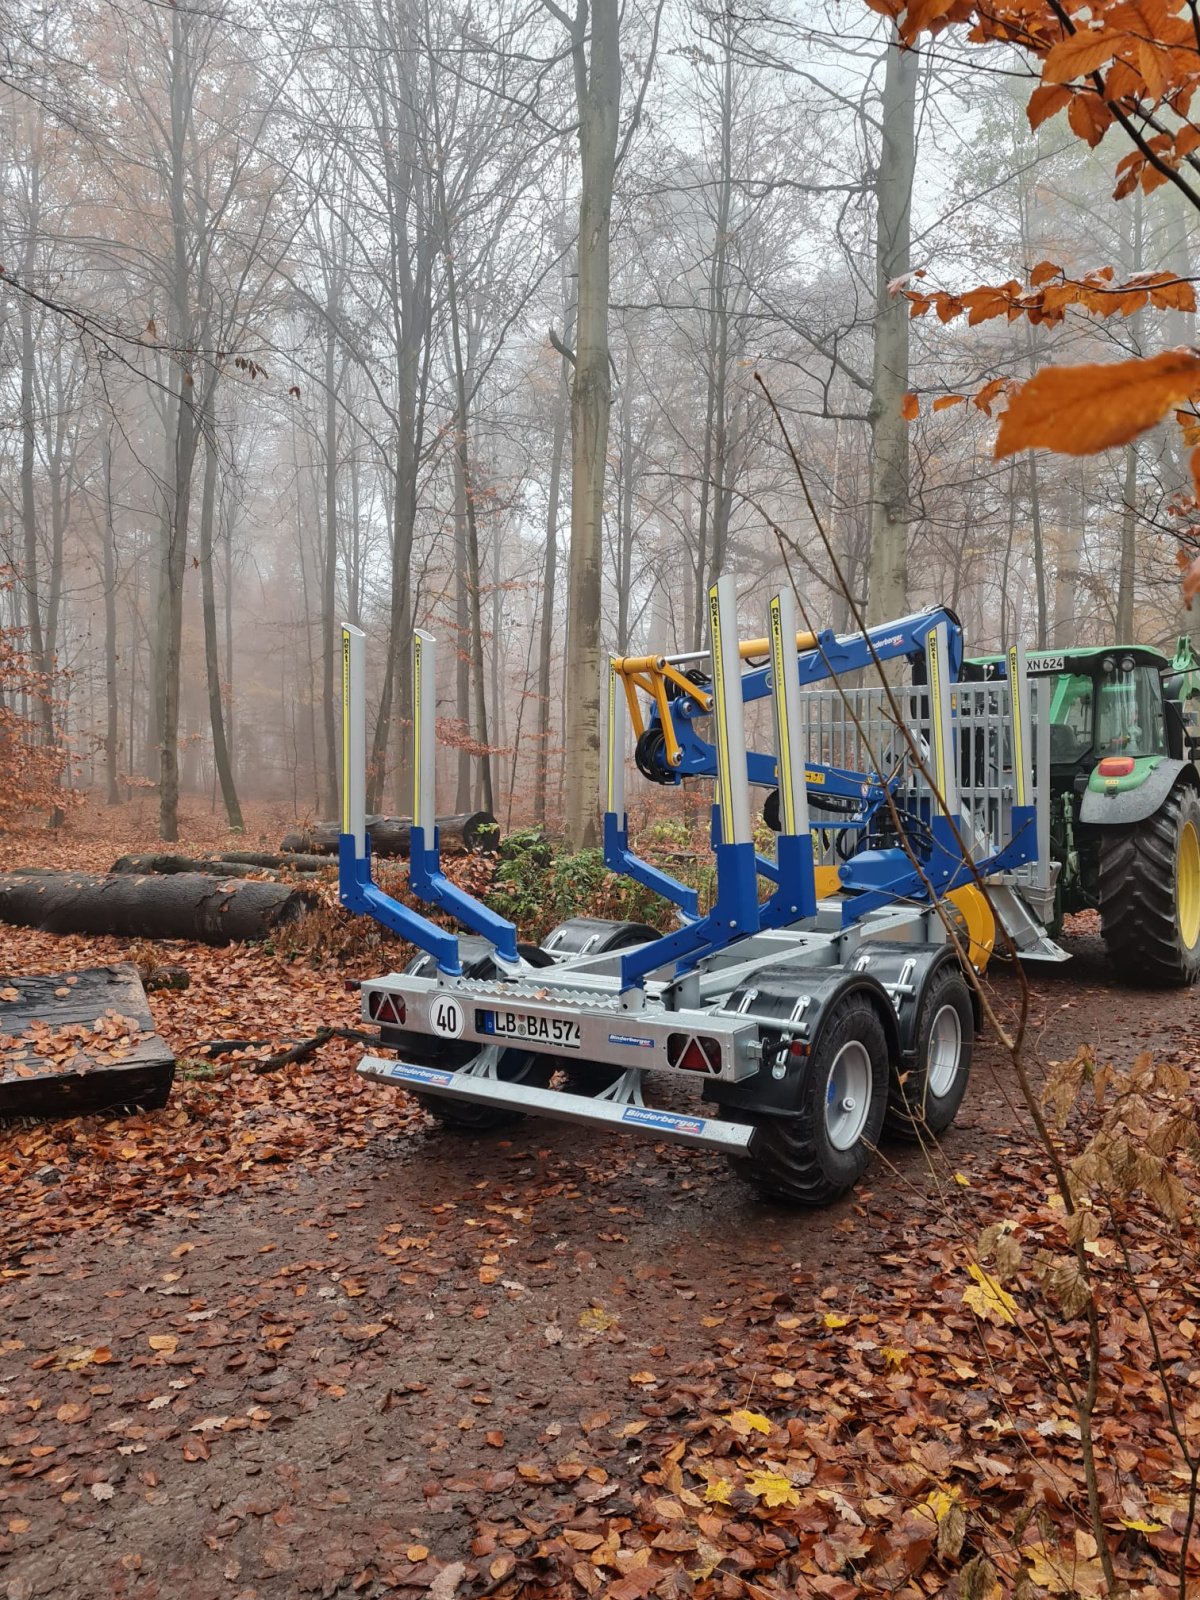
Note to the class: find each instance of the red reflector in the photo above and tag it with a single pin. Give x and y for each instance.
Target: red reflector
(1116, 766)
(384, 1007)
(700, 1055)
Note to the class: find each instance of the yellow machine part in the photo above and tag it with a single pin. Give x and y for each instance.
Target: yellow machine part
(828, 882)
(976, 924)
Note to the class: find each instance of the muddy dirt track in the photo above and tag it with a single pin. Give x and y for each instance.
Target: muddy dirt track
(436, 1351)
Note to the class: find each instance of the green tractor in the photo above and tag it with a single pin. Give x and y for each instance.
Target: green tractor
(1125, 800)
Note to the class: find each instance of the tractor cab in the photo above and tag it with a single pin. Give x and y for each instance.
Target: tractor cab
(1106, 711)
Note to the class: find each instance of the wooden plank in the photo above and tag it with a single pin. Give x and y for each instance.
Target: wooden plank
(75, 1081)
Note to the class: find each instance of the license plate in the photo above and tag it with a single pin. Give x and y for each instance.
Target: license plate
(560, 1032)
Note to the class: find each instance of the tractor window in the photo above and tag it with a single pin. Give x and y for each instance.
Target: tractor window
(1071, 719)
(1129, 713)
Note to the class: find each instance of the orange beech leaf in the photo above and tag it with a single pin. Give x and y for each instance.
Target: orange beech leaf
(910, 407)
(990, 391)
(919, 304)
(1152, 72)
(1177, 296)
(1045, 100)
(1187, 139)
(1079, 54)
(1043, 272)
(1189, 571)
(1090, 118)
(945, 401)
(1122, 82)
(1078, 411)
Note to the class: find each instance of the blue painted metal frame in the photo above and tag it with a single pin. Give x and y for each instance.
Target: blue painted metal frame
(618, 857)
(358, 893)
(831, 656)
(427, 880)
(735, 913)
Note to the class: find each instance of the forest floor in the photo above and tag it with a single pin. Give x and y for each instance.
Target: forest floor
(285, 1339)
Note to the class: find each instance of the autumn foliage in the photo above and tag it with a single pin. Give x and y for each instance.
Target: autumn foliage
(31, 769)
(1132, 65)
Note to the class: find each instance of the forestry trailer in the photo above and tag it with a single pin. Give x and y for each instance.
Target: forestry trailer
(801, 1024)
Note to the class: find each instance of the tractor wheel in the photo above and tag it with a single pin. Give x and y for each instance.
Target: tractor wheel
(924, 1100)
(817, 1155)
(512, 1066)
(1150, 893)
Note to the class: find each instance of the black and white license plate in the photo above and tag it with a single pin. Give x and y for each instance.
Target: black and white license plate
(560, 1032)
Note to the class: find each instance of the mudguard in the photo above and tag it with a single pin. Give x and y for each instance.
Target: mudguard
(595, 936)
(905, 971)
(1119, 808)
(798, 1001)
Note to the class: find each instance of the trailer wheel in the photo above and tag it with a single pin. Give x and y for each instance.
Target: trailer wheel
(513, 1066)
(1150, 893)
(816, 1155)
(925, 1097)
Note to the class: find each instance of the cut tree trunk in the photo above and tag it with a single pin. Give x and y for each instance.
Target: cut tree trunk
(269, 859)
(475, 832)
(171, 866)
(183, 906)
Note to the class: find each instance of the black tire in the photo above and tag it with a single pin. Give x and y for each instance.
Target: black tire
(514, 1066)
(1151, 932)
(795, 1158)
(924, 1098)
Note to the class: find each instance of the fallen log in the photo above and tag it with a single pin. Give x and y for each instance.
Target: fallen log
(172, 866)
(178, 906)
(79, 1042)
(473, 832)
(274, 861)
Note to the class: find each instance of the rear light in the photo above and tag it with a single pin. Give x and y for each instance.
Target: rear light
(384, 1007)
(692, 1053)
(1116, 766)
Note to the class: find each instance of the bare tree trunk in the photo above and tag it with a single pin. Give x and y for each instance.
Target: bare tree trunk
(29, 518)
(1125, 579)
(596, 51)
(1066, 577)
(208, 601)
(888, 595)
(1128, 560)
(471, 521)
(549, 588)
(174, 554)
(1039, 551)
(462, 653)
(329, 632)
(110, 623)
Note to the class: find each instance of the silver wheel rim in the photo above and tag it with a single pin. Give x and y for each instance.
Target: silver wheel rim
(848, 1095)
(945, 1051)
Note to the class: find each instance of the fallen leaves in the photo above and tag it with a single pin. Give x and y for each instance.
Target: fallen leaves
(987, 1298)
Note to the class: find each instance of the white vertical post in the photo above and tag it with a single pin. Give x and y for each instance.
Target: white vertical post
(791, 743)
(424, 734)
(944, 770)
(1018, 700)
(732, 787)
(615, 796)
(354, 738)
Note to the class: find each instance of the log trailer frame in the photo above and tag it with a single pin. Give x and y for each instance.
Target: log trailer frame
(811, 1021)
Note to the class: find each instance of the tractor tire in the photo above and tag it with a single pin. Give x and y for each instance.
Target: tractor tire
(514, 1066)
(925, 1098)
(1150, 893)
(816, 1155)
